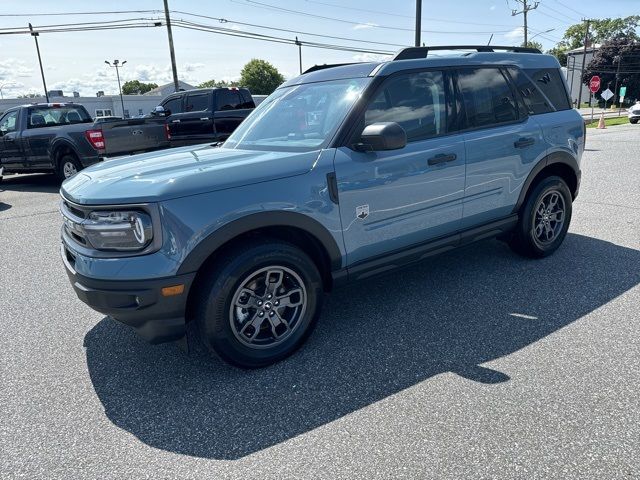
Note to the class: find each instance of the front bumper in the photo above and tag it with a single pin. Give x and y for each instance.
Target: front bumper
(137, 303)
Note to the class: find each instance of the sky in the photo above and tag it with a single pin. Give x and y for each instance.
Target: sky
(74, 61)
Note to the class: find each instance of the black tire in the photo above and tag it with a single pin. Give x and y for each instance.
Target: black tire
(525, 239)
(224, 330)
(67, 164)
(633, 120)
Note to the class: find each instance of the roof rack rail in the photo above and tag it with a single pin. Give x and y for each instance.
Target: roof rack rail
(412, 53)
(326, 65)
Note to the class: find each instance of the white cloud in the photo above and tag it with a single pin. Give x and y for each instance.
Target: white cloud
(516, 35)
(363, 26)
(492, 7)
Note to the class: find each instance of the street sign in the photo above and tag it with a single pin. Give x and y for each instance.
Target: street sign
(623, 91)
(607, 94)
(594, 84)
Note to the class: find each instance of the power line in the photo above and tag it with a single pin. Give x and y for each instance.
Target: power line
(569, 8)
(526, 8)
(351, 22)
(544, 5)
(350, 39)
(112, 12)
(388, 14)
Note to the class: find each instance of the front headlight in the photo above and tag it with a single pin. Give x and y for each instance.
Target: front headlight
(118, 230)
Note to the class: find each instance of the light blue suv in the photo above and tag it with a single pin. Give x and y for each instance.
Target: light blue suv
(344, 172)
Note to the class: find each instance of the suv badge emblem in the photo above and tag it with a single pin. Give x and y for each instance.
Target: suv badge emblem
(362, 211)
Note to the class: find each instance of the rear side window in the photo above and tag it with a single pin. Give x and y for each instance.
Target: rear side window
(534, 101)
(39, 117)
(487, 97)
(173, 105)
(197, 102)
(551, 83)
(416, 101)
(229, 100)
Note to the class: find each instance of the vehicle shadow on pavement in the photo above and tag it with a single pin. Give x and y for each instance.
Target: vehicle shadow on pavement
(44, 183)
(374, 339)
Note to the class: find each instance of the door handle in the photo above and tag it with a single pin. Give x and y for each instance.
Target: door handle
(524, 142)
(175, 121)
(205, 118)
(10, 139)
(442, 158)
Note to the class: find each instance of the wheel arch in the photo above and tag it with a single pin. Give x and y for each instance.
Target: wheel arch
(296, 228)
(59, 148)
(561, 164)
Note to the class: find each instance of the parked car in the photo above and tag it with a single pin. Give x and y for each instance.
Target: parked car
(63, 138)
(205, 114)
(634, 112)
(342, 173)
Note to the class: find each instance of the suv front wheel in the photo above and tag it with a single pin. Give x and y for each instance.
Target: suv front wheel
(258, 303)
(544, 219)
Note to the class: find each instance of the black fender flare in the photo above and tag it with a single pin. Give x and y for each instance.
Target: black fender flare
(551, 159)
(254, 221)
(56, 145)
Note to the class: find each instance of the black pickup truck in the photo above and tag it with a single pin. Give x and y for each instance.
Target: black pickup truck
(205, 114)
(63, 138)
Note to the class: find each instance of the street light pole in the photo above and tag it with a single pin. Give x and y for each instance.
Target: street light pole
(172, 53)
(118, 65)
(44, 83)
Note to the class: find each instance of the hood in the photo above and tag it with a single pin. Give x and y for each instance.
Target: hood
(179, 172)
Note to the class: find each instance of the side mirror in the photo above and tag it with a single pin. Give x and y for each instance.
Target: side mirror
(160, 111)
(382, 136)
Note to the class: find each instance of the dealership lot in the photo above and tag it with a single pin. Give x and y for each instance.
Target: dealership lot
(474, 364)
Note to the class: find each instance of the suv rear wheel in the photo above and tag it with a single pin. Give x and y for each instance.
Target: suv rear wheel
(544, 219)
(259, 303)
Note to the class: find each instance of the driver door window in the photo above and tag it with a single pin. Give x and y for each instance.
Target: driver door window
(415, 101)
(173, 106)
(8, 122)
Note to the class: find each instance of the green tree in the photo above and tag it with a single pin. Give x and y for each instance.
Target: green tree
(218, 83)
(136, 87)
(533, 44)
(560, 52)
(621, 49)
(260, 77)
(601, 30)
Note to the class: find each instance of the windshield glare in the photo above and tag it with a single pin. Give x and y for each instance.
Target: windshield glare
(298, 118)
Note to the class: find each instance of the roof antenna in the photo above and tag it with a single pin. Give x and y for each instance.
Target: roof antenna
(490, 38)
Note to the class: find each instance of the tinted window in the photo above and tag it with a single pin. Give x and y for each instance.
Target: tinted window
(415, 101)
(50, 116)
(197, 102)
(228, 100)
(551, 83)
(8, 122)
(486, 97)
(173, 105)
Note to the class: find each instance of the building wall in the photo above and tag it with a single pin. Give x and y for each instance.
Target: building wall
(574, 65)
(133, 103)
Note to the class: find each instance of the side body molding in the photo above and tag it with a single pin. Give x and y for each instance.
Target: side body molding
(254, 221)
(560, 158)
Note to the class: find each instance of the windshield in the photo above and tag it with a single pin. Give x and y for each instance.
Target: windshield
(298, 118)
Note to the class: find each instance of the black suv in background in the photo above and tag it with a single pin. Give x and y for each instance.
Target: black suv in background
(205, 114)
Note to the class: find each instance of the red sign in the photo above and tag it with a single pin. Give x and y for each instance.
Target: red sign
(594, 84)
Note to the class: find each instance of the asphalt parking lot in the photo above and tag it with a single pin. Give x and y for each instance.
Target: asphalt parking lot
(474, 364)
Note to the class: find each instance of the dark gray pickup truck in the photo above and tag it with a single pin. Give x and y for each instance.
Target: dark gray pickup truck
(63, 138)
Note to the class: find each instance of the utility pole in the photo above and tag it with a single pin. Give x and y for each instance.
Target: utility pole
(617, 58)
(584, 57)
(44, 83)
(299, 44)
(176, 85)
(526, 8)
(418, 21)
